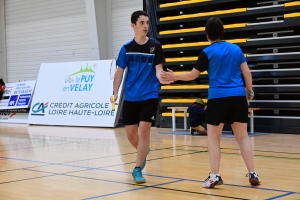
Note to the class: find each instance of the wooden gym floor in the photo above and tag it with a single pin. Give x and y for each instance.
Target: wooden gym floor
(46, 162)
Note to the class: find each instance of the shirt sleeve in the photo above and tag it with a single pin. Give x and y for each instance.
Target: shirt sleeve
(202, 62)
(121, 60)
(159, 55)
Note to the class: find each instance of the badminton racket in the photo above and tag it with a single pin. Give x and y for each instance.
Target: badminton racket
(112, 73)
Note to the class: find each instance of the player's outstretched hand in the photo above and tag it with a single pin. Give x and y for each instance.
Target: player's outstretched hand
(164, 78)
(169, 75)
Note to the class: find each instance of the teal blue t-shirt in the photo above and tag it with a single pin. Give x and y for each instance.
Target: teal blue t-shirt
(141, 82)
(222, 61)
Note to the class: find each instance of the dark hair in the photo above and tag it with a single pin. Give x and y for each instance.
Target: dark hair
(214, 29)
(135, 15)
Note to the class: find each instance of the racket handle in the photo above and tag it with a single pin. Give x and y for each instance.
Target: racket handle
(113, 103)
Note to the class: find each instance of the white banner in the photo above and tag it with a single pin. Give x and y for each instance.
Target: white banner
(17, 95)
(75, 94)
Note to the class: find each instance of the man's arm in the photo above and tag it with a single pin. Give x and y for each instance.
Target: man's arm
(121, 63)
(247, 77)
(200, 66)
(118, 80)
(192, 75)
(159, 72)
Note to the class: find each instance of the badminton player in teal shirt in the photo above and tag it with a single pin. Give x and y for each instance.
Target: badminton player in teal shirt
(227, 103)
(143, 57)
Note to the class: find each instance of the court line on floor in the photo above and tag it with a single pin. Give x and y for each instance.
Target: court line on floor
(258, 155)
(199, 181)
(133, 184)
(48, 163)
(151, 186)
(280, 196)
(26, 179)
(265, 156)
(205, 194)
(152, 159)
(131, 162)
(103, 168)
(83, 167)
(233, 185)
(169, 177)
(125, 191)
(253, 150)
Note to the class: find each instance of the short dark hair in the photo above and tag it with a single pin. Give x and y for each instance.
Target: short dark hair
(135, 15)
(214, 29)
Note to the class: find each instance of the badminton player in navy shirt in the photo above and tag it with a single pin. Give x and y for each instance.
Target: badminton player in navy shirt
(143, 57)
(227, 103)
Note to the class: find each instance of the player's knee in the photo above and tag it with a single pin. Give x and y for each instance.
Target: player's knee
(239, 136)
(144, 134)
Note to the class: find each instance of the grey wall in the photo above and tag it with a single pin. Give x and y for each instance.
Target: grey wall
(103, 19)
(3, 72)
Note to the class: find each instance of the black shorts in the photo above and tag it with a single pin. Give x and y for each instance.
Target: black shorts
(227, 110)
(134, 112)
(1, 95)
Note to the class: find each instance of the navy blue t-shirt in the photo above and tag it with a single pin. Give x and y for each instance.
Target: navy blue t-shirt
(196, 115)
(141, 82)
(222, 61)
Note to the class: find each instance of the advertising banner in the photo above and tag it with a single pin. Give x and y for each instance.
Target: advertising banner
(17, 95)
(74, 94)
(14, 106)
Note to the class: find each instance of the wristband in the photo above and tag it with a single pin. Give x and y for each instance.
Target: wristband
(251, 94)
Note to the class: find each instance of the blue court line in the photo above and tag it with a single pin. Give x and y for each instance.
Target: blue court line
(64, 163)
(191, 180)
(280, 196)
(110, 194)
(253, 187)
(103, 169)
(65, 174)
(82, 177)
(48, 163)
(118, 155)
(26, 179)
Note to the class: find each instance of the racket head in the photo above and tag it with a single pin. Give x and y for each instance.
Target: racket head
(113, 68)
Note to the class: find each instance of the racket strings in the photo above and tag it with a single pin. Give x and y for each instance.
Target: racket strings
(113, 65)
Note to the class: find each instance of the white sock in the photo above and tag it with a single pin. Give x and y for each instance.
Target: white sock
(214, 175)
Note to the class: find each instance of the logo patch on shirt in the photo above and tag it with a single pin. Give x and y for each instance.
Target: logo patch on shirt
(152, 49)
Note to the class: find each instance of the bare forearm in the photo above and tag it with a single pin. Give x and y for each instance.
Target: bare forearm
(248, 80)
(117, 82)
(158, 72)
(184, 77)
